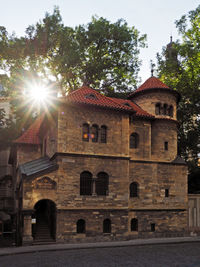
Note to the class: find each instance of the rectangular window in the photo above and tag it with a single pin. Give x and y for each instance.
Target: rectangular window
(166, 192)
(153, 227)
(166, 146)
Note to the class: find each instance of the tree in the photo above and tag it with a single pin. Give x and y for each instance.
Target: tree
(178, 67)
(102, 54)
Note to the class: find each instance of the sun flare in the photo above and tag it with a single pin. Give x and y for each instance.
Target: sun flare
(39, 93)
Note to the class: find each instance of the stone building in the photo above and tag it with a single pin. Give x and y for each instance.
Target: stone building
(101, 168)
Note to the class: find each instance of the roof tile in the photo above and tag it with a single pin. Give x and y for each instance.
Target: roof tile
(139, 111)
(150, 83)
(31, 135)
(89, 96)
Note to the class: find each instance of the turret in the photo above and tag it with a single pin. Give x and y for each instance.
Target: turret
(161, 101)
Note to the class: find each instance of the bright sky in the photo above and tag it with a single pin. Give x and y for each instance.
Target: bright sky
(154, 17)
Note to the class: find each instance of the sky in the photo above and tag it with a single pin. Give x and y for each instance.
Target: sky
(152, 17)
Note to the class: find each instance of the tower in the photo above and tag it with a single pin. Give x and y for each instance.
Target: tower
(161, 101)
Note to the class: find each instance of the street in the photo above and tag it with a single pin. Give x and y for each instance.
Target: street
(182, 255)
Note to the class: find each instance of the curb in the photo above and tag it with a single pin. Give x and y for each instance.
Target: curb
(60, 247)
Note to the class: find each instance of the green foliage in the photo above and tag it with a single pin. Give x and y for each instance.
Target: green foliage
(8, 128)
(178, 67)
(102, 54)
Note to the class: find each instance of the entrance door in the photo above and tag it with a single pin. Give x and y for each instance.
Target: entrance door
(45, 213)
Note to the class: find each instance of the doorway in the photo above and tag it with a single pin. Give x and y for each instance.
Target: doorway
(45, 215)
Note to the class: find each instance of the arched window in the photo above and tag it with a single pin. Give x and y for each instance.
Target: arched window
(85, 132)
(80, 226)
(103, 134)
(94, 133)
(107, 226)
(165, 108)
(157, 109)
(102, 184)
(134, 189)
(134, 224)
(86, 183)
(171, 111)
(134, 140)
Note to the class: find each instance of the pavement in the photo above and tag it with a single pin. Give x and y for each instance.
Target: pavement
(56, 247)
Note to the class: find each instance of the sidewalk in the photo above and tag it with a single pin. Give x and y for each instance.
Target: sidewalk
(136, 242)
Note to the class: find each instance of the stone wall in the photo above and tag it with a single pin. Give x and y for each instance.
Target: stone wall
(32, 193)
(143, 129)
(167, 223)
(163, 131)
(153, 179)
(69, 182)
(147, 101)
(67, 219)
(67, 177)
(151, 206)
(71, 119)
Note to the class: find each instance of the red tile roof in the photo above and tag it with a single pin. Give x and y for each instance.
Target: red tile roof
(31, 135)
(154, 83)
(150, 83)
(89, 96)
(139, 111)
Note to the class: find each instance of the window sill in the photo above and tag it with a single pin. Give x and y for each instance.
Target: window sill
(107, 234)
(93, 196)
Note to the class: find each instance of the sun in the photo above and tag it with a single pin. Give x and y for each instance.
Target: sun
(39, 93)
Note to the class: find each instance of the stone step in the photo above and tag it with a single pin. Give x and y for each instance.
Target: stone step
(44, 242)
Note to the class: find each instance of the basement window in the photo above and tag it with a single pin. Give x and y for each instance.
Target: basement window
(80, 226)
(134, 224)
(153, 227)
(107, 226)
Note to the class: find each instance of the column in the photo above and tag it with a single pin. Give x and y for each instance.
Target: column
(94, 187)
(27, 234)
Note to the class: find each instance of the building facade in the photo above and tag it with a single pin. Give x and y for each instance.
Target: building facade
(102, 168)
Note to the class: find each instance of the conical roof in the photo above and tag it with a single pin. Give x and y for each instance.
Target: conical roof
(151, 84)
